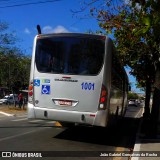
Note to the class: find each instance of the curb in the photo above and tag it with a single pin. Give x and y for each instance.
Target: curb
(137, 146)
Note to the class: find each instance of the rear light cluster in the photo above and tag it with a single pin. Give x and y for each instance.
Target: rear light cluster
(103, 98)
(30, 92)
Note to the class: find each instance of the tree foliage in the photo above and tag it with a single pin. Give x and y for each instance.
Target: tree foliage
(135, 27)
(132, 96)
(14, 66)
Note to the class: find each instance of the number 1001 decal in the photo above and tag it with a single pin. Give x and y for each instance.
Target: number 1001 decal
(87, 86)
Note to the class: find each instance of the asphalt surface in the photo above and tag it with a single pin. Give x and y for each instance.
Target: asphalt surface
(23, 135)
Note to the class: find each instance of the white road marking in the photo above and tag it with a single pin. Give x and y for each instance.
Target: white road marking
(18, 135)
(138, 114)
(38, 120)
(16, 120)
(136, 149)
(6, 114)
(33, 121)
(137, 146)
(51, 122)
(22, 116)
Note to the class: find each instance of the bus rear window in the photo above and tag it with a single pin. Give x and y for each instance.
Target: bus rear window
(70, 55)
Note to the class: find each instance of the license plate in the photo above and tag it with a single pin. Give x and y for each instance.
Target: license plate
(65, 103)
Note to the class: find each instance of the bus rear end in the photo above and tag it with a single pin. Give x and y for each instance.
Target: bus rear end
(66, 79)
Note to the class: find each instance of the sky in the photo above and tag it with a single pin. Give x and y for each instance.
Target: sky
(53, 17)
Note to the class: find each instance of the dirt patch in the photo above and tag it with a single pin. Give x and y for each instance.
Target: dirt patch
(11, 109)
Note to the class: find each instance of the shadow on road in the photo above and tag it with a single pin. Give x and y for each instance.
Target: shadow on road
(123, 135)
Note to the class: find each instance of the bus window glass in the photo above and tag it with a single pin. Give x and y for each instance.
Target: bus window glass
(117, 79)
(70, 55)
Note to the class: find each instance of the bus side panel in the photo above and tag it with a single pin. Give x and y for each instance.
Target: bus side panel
(33, 60)
(115, 85)
(107, 81)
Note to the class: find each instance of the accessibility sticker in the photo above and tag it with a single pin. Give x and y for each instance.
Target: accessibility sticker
(46, 89)
(37, 82)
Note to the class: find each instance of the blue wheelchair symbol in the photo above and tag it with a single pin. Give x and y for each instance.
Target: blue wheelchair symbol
(36, 82)
(45, 89)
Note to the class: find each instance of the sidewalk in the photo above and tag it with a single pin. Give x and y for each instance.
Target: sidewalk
(147, 148)
(12, 110)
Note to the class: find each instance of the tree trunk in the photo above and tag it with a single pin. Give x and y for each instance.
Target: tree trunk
(147, 100)
(155, 113)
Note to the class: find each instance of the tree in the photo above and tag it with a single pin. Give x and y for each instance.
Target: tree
(6, 39)
(132, 95)
(14, 66)
(136, 26)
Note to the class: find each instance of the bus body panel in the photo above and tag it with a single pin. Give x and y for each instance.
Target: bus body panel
(82, 93)
(76, 98)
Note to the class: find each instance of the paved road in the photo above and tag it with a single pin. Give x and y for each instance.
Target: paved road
(19, 134)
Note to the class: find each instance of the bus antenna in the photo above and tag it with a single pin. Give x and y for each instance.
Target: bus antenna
(39, 29)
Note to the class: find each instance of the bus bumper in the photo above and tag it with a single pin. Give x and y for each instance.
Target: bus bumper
(98, 118)
(30, 111)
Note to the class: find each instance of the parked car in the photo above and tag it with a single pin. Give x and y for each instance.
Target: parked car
(133, 102)
(9, 99)
(12, 98)
(4, 100)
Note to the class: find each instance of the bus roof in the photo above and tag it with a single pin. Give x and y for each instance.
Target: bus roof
(71, 34)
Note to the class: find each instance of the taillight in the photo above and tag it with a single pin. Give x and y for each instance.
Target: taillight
(103, 98)
(30, 92)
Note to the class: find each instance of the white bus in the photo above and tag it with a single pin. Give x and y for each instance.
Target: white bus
(76, 78)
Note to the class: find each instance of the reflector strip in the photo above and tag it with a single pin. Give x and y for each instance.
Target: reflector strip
(66, 77)
(92, 115)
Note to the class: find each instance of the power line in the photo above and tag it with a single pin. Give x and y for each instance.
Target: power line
(26, 4)
(5, 3)
(4, 0)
